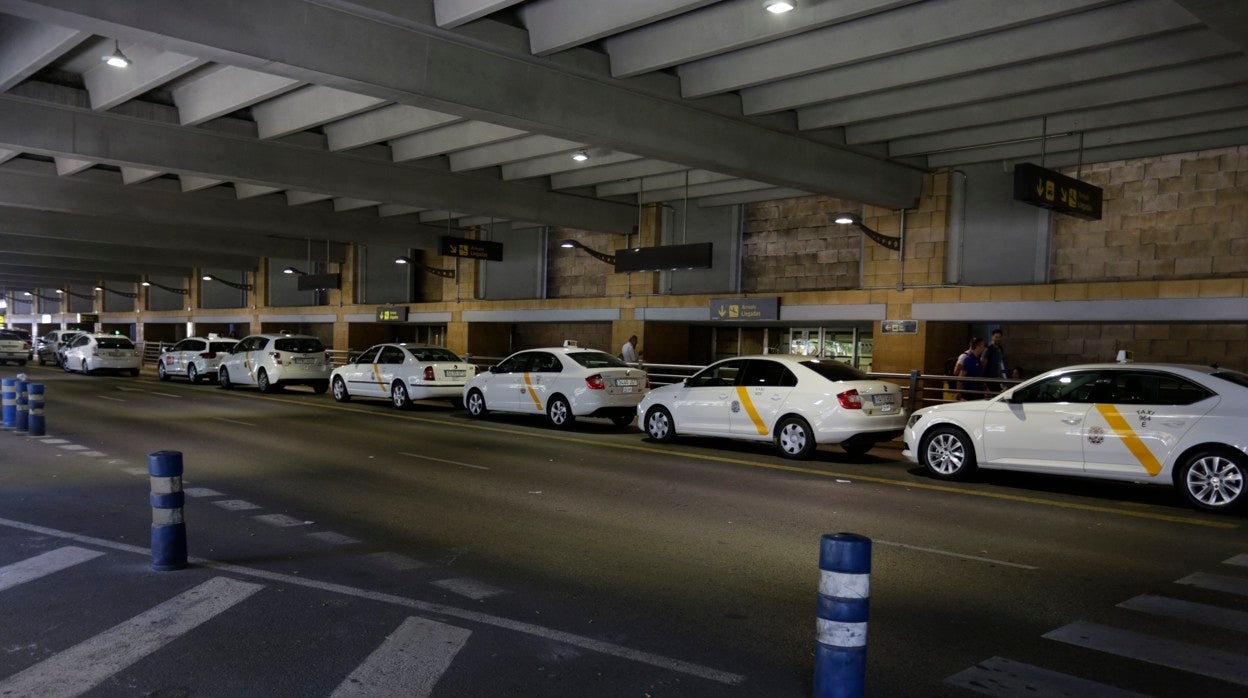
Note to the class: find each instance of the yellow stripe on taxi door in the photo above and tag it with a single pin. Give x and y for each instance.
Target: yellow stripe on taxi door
(1122, 429)
(377, 372)
(748, 404)
(532, 393)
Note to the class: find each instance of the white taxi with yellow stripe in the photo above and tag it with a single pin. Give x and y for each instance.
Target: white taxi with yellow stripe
(402, 373)
(561, 382)
(1167, 424)
(797, 402)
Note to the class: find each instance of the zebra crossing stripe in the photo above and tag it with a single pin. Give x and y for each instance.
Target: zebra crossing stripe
(1240, 560)
(44, 564)
(1188, 610)
(1195, 659)
(1217, 582)
(1006, 678)
(409, 662)
(91, 662)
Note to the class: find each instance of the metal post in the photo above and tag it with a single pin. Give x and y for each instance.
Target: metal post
(8, 389)
(21, 423)
(168, 526)
(35, 420)
(844, 595)
(914, 391)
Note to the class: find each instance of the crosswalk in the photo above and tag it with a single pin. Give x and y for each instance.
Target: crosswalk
(1008, 678)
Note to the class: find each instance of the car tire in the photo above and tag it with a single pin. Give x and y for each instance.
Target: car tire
(134, 373)
(794, 438)
(857, 448)
(21, 362)
(319, 387)
(223, 379)
(42, 361)
(622, 420)
(948, 454)
(161, 373)
(340, 390)
(559, 412)
(192, 374)
(399, 396)
(476, 404)
(65, 367)
(262, 382)
(659, 425)
(85, 370)
(1213, 479)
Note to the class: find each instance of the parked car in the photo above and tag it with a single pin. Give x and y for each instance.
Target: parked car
(561, 382)
(14, 347)
(51, 346)
(402, 373)
(194, 357)
(1166, 424)
(797, 402)
(273, 361)
(101, 352)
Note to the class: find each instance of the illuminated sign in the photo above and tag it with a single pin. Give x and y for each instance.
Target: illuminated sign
(899, 327)
(745, 309)
(398, 314)
(88, 317)
(1054, 190)
(472, 249)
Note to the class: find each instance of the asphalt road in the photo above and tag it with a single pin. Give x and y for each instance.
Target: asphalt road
(351, 545)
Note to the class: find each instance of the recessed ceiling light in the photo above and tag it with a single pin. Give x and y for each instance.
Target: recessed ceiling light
(580, 156)
(777, 7)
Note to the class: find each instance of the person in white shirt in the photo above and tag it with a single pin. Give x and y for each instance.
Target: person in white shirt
(628, 352)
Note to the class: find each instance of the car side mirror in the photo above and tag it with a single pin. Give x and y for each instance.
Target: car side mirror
(164, 349)
(353, 359)
(494, 368)
(1015, 399)
(687, 382)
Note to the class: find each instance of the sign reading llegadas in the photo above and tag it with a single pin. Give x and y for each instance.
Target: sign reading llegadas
(745, 309)
(472, 249)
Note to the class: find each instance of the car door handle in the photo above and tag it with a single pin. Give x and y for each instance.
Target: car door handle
(1072, 420)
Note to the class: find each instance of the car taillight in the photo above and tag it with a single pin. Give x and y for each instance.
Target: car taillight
(329, 359)
(647, 381)
(277, 356)
(208, 355)
(428, 374)
(850, 400)
(595, 382)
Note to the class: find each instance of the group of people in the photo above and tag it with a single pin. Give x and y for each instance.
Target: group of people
(981, 359)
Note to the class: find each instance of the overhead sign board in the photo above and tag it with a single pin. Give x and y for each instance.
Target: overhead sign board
(899, 327)
(392, 314)
(472, 249)
(745, 309)
(1054, 190)
(315, 282)
(88, 317)
(696, 255)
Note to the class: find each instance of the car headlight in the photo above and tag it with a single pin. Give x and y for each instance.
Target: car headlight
(914, 419)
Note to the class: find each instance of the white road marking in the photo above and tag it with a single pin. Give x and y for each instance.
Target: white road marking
(54, 441)
(153, 392)
(88, 664)
(1217, 582)
(1006, 678)
(44, 564)
(281, 520)
(477, 591)
(234, 421)
(114, 399)
(137, 471)
(73, 447)
(333, 538)
(409, 663)
(201, 492)
(976, 558)
(1189, 610)
(396, 562)
(587, 643)
(442, 460)
(1240, 560)
(1195, 659)
(235, 505)
(93, 454)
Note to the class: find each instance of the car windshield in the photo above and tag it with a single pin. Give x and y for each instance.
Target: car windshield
(222, 346)
(1235, 377)
(835, 371)
(596, 359)
(433, 354)
(299, 345)
(115, 343)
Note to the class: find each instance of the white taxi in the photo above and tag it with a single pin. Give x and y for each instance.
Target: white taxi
(402, 373)
(797, 402)
(14, 347)
(273, 361)
(194, 357)
(1166, 424)
(102, 352)
(561, 382)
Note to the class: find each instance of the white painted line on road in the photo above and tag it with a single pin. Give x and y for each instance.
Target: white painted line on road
(281, 520)
(136, 471)
(200, 492)
(88, 664)
(43, 564)
(131, 390)
(409, 663)
(236, 505)
(54, 441)
(114, 399)
(333, 538)
(1241, 560)
(93, 454)
(947, 553)
(1188, 610)
(73, 447)
(442, 460)
(153, 392)
(1195, 659)
(396, 562)
(1217, 582)
(587, 643)
(1006, 678)
(234, 421)
(477, 591)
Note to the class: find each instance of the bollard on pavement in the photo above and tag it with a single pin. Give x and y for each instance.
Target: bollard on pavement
(21, 422)
(8, 391)
(844, 595)
(168, 526)
(35, 425)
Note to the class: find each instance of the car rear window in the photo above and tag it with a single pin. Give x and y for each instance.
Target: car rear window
(222, 346)
(1235, 377)
(835, 371)
(299, 345)
(596, 359)
(5, 334)
(115, 343)
(434, 354)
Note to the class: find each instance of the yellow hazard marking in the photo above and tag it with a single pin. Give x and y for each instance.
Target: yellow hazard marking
(1134, 443)
(532, 393)
(749, 409)
(377, 372)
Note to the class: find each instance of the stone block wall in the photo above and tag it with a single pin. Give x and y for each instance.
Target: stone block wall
(1040, 347)
(794, 245)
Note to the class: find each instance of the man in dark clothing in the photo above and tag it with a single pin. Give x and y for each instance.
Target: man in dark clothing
(971, 364)
(994, 357)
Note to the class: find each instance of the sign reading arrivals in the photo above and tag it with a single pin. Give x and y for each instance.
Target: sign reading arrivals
(1054, 190)
(472, 249)
(392, 314)
(745, 309)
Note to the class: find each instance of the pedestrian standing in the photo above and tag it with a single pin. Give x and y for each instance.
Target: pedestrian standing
(628, 352)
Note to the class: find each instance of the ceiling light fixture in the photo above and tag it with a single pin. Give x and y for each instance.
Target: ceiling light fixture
(855, 220)
(444, 273)
(293, 270)
(778, 7)
(147, 283)
(600, 256)
(117, 59)
(580, 156)
(241, 287)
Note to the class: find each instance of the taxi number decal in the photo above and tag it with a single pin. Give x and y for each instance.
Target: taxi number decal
(532, 393)
(749, 409)
(1122, 429)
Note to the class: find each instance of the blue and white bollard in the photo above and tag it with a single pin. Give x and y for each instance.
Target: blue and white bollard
(20, 424)
(844, 598)
(8, 394)
(168, 526)
(34, 393)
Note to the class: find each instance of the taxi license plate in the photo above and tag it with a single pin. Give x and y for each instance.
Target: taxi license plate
(626, 381)
(117, 354)
(886, 403)
(454, 373)
(305, 360)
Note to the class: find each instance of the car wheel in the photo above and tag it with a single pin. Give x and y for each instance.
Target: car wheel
(223, 379)
(192, 373)
(948, 454)
(476, 404)
(21, 362)
(794, 438)
(857, 448)
(65, 366)
(1213, 479)
(161, 373)
(42, 361)
(320, 387)
(262, 382)
(659, 425)
(85, 370)
(398, 395)
(622, 420)
(559, 412)
(134, 373)
(340, 390)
